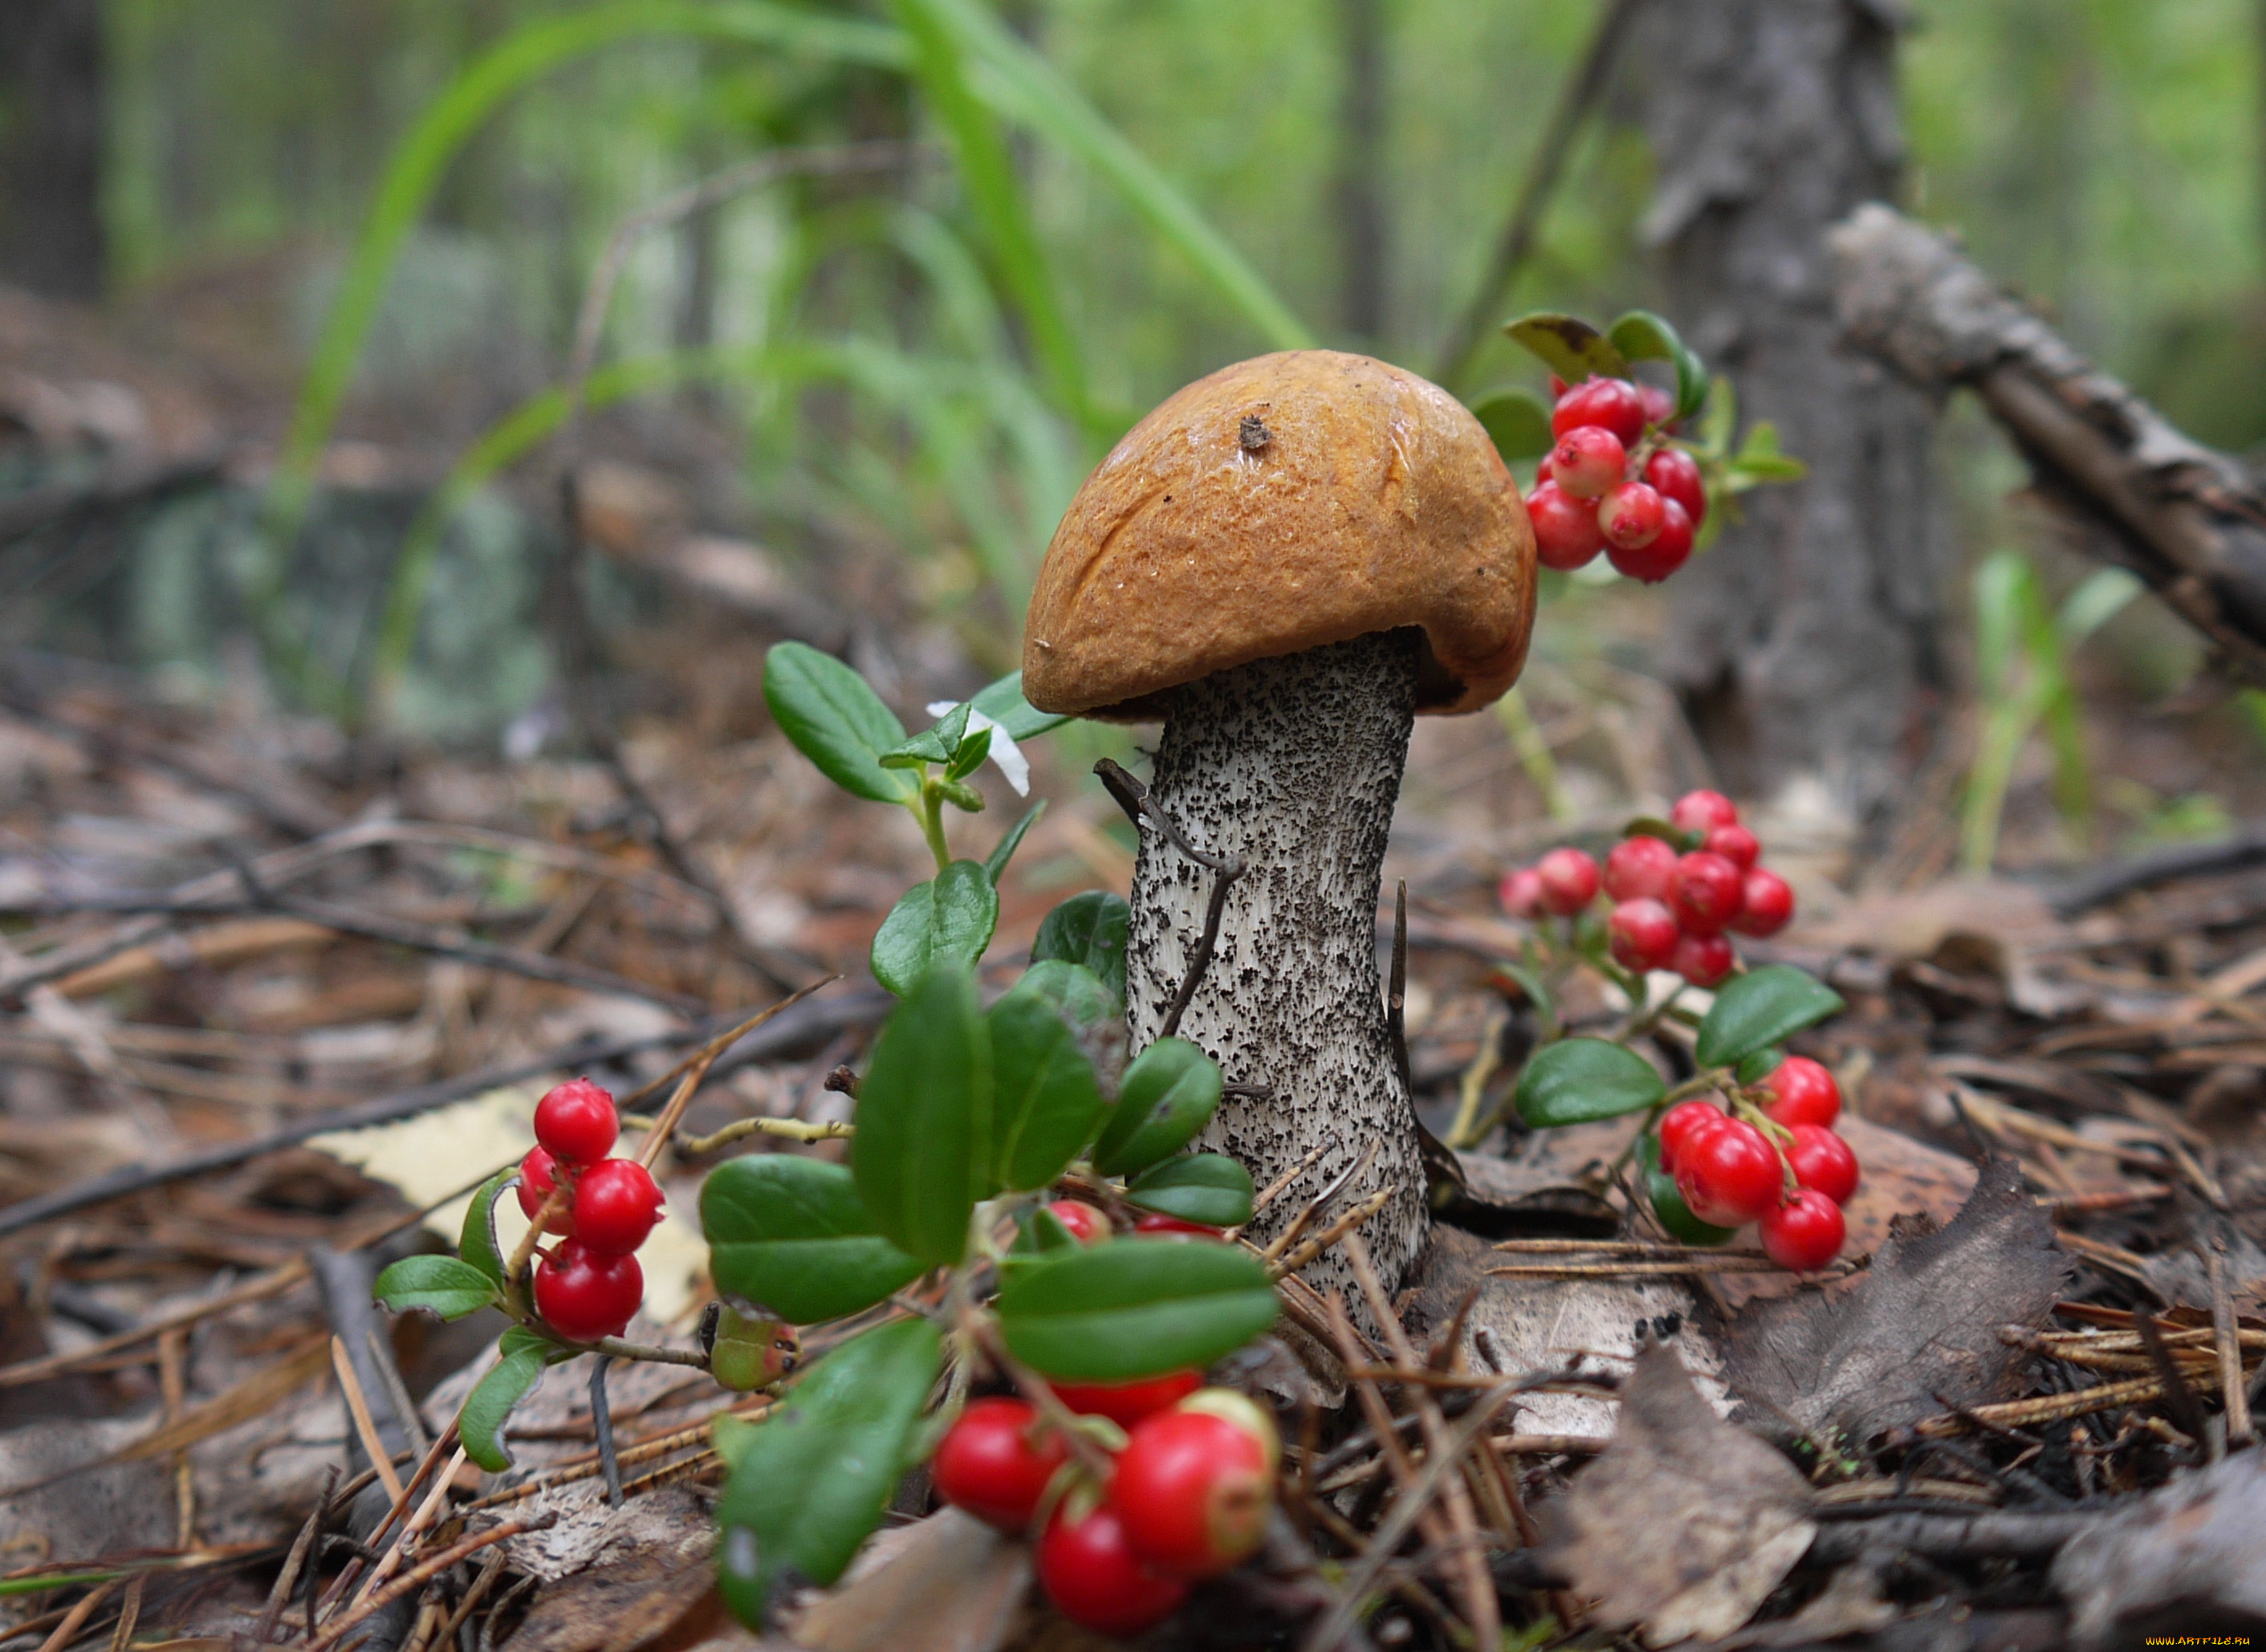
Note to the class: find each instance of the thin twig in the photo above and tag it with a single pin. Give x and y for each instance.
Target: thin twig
(696, 1070)
(358, 1406)
(425, 1573)
(2231, 1387)
(1140, 803)
(1347, 1221)
(602, 1420)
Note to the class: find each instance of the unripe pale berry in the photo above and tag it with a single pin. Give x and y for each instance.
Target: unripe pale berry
(1706, 893)
(1802, 1092)
(1611, 403)
(1804, 1234)
(1642, 934)
(1702, 959)
(576, 1122)
(1698, 811)
(1195, 1488)
(1639, 868)
(615, 1206)
(1769, 905)
(1520, 892)
(1677, 475)
(1822, 1161)
(1587, 461)
(1736, 844)
(1570, 880)
(1663, 554)
(1566, 534)
(1630, 515)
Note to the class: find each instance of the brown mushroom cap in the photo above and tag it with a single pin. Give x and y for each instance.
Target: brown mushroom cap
(1290, 500)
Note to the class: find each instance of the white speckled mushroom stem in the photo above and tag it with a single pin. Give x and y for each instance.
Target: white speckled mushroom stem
(1295, 764)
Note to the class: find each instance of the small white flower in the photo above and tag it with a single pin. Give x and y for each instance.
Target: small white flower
(1005, 751)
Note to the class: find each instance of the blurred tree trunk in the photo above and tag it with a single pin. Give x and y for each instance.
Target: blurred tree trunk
(51, 134)
(1360, 169)
(1807, 641)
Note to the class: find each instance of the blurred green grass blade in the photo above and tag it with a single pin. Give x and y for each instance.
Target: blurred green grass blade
(418, 162)
(987, 173)
(1026, 87)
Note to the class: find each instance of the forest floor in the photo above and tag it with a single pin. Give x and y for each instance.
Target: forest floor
(276, 1000)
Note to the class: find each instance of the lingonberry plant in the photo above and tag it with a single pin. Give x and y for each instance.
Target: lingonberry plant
(1748, 1137)
(1018, 1205)
(1613, 475)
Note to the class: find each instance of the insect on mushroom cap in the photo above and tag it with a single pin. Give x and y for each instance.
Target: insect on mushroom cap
(1290, 500)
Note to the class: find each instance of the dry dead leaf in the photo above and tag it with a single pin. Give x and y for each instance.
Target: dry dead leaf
(952, 1584)
(1924, 1322)
(1686, 1523)
(2190, 1558)
(622, 1602)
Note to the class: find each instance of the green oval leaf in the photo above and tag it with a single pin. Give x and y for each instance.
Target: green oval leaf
(810, 1481)
(1168, 1094)
(1208, 1188)
(948, 919)
(1760, 1008)
(937, 743)
(1578, 1080)
(921, 1157)
(477, 1245)
(439, 1284)
(791, 1235)
(837, 721)
(1518, 421)
(1755, 1068)
(1045, 1101)
(1570, 347)
(995, 863)
(1642, 336)
(1088, 929)
(1134, 1308)
(508, 1381)
(1668, 1203)
(1004, 704)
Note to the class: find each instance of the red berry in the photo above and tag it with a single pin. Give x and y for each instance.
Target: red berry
(1730, 1175)
(1769, 905)
(1822, 1161)
(1684, 1124)
(1566, 535)
(1157, 1222)
(1802, 1092)
(617, 1205)
(1125, 1404)
(1701, 811)
(576, 1121)
(1570, 880)
(1659, 407)
(1706, 893)
(584, 1297)
(1630, 515)
(1736, 844)
(1677, 475)
(1542, 470)
(1521, 892)
(1094, 1578)
(538, 1175)
(1587, 461)
(1639, 869)
(1195, 1485)
(1557, 389)
(995, 1462)
(1614, 404)
(1086, 1225)
(1663, 554)
(1642, 934)
(1703, 960)
(1804, 1234)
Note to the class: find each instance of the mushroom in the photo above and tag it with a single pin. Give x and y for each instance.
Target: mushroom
(1285, 562)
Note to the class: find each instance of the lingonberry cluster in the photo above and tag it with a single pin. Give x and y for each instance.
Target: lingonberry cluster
(1614, 482)
(588, 1284)
(1190, 1485)
(1772, 1158)
(1673, 902)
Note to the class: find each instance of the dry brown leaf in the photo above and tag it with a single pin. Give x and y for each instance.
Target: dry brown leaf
(953, 1584)
(2190, 1558)
(1686, 1523)
(1923, 1321)
(621, 1604)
